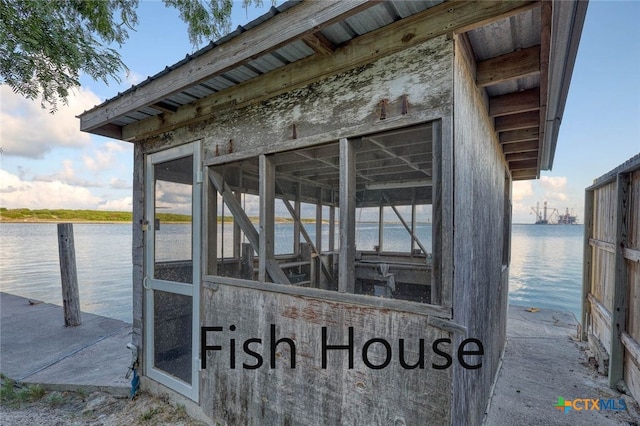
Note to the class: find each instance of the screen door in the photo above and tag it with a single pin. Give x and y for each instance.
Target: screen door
(172, 267)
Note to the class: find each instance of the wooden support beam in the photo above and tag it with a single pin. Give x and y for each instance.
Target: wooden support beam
(267, 215)
(237, 236)
(514, 65)
(520, 121)
(520, 156)
(413, 30)
(523, 165)
(413, 236)
(210, 228)
(522, 135)
(332, 228)
(513, 103)
(236, 209)
(296, 220)
(245, 223)
(319, 43)
(346, 279)
(319, 222)
(524, 174)
(620, 283)
(512, 148)
(587, 258)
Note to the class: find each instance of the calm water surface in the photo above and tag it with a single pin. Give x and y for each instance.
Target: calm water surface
(546, 264)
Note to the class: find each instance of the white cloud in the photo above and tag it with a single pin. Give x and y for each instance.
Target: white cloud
(133, 78)
(122, 205)
(553, 183)
(117, 183)
(104, 158)
(554, 187)
(30, 131)
(521, 190)
(68, 176)
(16, 193)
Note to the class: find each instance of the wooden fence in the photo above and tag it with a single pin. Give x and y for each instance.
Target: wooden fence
(611, 274)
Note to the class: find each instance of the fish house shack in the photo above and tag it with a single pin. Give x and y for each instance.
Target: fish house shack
(344, 170)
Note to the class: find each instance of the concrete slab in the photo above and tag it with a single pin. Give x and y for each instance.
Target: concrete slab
(543, 361)
(36, 347)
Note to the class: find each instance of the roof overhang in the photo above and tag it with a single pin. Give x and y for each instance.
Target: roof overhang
(523, 54)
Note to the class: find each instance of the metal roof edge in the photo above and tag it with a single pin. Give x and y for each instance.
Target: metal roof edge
(561, 72)
(273, 11)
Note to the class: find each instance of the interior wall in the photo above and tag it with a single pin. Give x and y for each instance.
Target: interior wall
(480, 281)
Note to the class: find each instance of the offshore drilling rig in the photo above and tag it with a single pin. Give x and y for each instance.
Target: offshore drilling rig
(545, 216)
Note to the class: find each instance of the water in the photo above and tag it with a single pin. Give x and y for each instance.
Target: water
(546, 262)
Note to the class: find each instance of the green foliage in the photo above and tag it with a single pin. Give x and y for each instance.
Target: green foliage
(45, 45)
(45, 215)
(13, 394)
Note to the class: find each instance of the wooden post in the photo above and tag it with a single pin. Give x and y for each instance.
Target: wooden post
(70, 296)
(586, 263)
(347, 274)
(620, 290)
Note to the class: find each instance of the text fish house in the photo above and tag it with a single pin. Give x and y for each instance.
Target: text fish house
(346, 171)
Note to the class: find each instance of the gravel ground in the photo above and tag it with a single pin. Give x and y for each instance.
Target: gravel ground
(98, 408)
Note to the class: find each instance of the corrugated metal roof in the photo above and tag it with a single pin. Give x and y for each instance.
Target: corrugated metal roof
(366, 21)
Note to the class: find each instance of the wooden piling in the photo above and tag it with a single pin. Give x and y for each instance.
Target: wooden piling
(68, 274)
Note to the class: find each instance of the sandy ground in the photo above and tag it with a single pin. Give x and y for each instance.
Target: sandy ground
(72, 408)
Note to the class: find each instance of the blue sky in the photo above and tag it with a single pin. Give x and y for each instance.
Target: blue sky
(48, 163)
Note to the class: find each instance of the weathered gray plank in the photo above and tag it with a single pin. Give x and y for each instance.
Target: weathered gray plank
(68, 275)
(346, 279)
(586, 262)
(620, 291)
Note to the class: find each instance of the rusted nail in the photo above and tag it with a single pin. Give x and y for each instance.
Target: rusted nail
(295, 132)
(217, 151)
(230, 146)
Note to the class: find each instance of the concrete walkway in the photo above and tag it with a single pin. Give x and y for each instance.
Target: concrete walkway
(542, 362)
(36, 347)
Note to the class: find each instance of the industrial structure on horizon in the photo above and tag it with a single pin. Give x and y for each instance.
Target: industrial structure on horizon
(543, 217)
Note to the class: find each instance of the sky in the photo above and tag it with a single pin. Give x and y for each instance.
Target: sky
(46, 162)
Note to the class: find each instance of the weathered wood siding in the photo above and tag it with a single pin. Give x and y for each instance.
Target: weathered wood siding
(612, 270)
(309, 394)
(340, 106)
(137, 250)
(480, 282)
